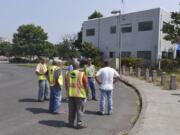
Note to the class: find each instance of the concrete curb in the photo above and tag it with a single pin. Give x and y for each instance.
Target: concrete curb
(143, 106)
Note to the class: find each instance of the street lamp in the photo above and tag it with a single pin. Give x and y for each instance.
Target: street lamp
(119, 35)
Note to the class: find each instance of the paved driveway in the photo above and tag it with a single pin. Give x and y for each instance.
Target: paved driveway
(20, 114)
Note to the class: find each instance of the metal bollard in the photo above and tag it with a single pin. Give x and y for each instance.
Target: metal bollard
(147, 74)
(123, 70)
(131, 71)
(173, 82)
(163, 78)
(138, 72)
(154, 75)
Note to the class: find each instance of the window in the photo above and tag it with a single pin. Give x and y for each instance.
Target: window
(126, 29)
(101, 53)
(90, 32)
(113, 29)
(164, 55)
(145, 26)
(170, 55)
(144, 54)
(126, 54)
(111, 54)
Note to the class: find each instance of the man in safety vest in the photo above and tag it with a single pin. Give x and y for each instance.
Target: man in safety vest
(41, 72)
(90, 73)
(56, 82)
(77, 90)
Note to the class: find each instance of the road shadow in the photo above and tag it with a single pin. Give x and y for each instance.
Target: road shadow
(90, 112)
(27, 100)
(175, 94)
(37, 110)
(53, 123)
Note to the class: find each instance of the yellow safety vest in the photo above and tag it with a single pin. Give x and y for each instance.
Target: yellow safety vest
(52, 70)
(42, 77)
(75, 84)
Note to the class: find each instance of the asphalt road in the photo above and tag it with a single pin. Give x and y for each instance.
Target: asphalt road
(20, 114)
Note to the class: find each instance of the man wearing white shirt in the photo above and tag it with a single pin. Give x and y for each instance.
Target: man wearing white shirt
(106, 77)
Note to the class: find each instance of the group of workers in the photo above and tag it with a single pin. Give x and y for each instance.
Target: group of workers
(78, 84)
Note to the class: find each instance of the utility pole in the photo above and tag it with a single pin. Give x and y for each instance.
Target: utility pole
(119, 35)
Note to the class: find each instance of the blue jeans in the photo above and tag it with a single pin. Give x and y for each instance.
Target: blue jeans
(103, 95)
(92, 87)
(55, 99)
(43, 90)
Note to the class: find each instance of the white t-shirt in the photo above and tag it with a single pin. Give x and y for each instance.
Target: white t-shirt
(106, 76)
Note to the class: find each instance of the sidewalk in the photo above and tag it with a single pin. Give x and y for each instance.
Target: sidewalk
(160, 113)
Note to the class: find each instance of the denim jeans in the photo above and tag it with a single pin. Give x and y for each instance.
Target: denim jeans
(103, 95)
(43, 90)
(92, 87)
(55, 99)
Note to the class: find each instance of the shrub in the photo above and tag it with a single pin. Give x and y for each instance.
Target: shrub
(169, 65)
(131, 62)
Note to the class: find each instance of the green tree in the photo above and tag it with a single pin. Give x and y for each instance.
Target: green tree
(89, 51)
(67, 48)
(49, 49)
(65, 51)
(29, 40)
(78, 41)
(5, 48)
(95, 14)
(172, 28)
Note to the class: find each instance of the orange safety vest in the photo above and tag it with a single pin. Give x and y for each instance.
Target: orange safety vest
(74, 83)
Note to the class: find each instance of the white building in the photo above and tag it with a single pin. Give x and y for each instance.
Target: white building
(3, 39)
(141, 35)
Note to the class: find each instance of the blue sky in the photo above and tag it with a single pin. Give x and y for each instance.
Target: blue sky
(60, 17)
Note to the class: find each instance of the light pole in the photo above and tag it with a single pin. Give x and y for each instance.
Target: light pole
(119, 35)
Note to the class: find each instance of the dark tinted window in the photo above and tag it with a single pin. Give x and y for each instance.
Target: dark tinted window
(113, 29)
(144, 54)
(90, 32)
(126, 29)
(126, 54)
(145, 26)
(111, 54)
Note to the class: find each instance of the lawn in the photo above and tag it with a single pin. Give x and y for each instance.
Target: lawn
(28, 65)
(34, 65)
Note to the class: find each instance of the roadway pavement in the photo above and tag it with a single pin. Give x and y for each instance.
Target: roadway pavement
(20, 114)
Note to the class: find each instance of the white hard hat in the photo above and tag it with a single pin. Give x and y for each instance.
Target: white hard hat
(57, 60)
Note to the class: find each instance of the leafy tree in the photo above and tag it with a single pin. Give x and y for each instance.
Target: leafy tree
(89, 51)
(5, 48)
(63, 50)
(95, 14)
(67, 48)
(78, 42)
(172, 29)
(29, 40)
(49, 49)
(70, 39)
